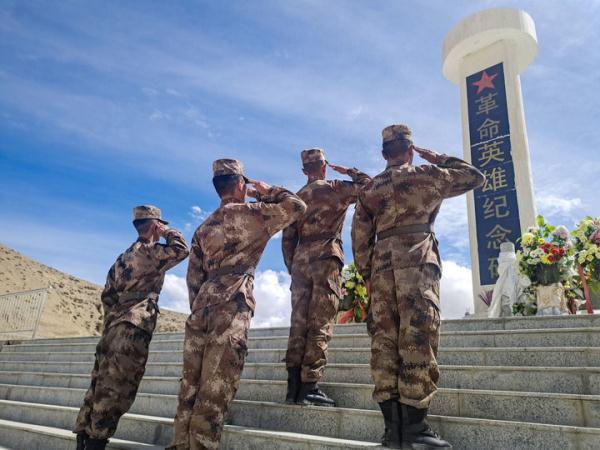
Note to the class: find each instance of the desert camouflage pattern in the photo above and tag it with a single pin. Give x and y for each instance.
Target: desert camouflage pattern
(404, 272)
(404, 324)
(227, 167)
(147, 212)
(121, 356)
(406, 195)
(395, 132)
(130, 311)
(213, 359)
(312, 155)
(234, 236)
(313, 254)
(136, 278)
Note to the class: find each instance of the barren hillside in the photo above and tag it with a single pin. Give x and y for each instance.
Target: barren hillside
(73, 307)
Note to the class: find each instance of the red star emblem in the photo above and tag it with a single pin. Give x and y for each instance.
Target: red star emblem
(485, 82)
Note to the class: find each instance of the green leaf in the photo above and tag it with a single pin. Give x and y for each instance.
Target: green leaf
(539, 220)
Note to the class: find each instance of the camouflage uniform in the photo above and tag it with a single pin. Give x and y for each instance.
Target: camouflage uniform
(225, 251)
(312, 250)
(399, 207)
(130, 302)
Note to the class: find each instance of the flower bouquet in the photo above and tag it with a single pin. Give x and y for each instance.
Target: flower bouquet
(546, 258)
(355, 302)
(587, 254)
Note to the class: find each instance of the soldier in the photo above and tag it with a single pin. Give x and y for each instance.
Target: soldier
(225, 251)
(396, 252)
(130, 303)
(312, 250)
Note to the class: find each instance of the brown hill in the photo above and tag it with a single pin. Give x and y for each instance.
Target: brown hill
(73, 307)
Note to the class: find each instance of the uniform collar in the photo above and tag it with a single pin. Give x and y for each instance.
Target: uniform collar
(389, 166)
(227, 201)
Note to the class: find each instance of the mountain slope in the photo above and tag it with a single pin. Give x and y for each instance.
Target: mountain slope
(73, 307)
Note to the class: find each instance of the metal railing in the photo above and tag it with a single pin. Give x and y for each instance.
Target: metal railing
(20, 313)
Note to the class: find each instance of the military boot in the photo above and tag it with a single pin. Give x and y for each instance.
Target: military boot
(416, 432)
(82, 438)
(393, 424)
(310, 394)
(95, 444)
(293, 386)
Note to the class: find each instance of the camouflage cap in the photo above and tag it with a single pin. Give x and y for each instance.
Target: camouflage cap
(395, 133)
(228, 167)
(147, 212)
(312, 155)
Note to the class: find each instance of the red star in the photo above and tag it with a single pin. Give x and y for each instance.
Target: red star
(485, 82)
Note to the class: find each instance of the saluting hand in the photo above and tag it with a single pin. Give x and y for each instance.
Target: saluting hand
(340, 169)
(260, 188)
(427, 155)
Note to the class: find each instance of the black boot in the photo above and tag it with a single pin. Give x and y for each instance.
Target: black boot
(95, 444)
(82, 438)
(416, 432)
(293, 386)
(310, 394)
(393, 424)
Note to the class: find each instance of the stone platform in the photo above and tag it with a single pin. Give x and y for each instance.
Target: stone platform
(518, 383)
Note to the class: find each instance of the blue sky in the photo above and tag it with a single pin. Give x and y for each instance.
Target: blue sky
(105, 105)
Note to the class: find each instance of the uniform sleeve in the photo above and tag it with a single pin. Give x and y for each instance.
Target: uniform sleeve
(455, 176)
(363, 238)
(289, 242)
(109, 296)
(349, 190)
(173, 252)
(279, 209)
(196, 275)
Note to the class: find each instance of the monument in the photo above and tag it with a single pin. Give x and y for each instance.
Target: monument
(484, 54)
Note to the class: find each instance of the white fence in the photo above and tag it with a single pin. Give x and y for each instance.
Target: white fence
(20, 313)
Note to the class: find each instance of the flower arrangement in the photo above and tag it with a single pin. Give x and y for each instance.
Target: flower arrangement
(587, 254)
(587, 249)
(355, 301)
(546, 255)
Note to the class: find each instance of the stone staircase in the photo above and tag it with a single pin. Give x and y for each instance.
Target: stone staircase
(518, 383)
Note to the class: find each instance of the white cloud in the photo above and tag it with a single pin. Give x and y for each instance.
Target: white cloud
(175, 294)
(456, 291)
(271, 290)
(273, 299)
(198, 214)
(552, 204)
(277, 235)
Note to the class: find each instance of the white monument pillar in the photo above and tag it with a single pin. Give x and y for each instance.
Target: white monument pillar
(484, 54)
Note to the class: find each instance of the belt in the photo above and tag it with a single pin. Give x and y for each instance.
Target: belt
(319, 237)
(405, 229)
(228, 270)
(132, 295)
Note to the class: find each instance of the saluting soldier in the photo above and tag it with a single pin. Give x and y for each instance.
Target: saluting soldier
(226, 249)
(130, 302)
(313, 254)
(396, 252)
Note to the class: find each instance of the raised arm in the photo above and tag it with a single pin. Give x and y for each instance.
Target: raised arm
(454, 176)
(363, 239)
(196, 275)
(173, 252)
(349, 190)
(278, 206)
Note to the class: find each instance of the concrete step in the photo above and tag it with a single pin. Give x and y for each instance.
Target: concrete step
(506, 323)
(551, 408)
(337, 423)
(473, 356)
(23, 436)
(569, 380)
(565, 337)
